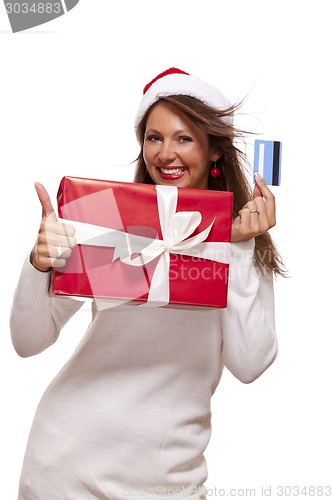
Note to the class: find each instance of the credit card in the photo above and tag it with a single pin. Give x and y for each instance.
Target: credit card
(267, 161)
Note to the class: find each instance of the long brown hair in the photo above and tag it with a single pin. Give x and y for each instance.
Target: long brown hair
(222, 136)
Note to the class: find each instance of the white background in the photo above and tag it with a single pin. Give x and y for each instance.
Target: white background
(69, 91)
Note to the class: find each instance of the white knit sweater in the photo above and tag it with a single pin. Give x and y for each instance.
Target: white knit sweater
(129, 414)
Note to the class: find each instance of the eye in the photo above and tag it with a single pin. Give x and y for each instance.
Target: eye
(153, 138)
(185, 139)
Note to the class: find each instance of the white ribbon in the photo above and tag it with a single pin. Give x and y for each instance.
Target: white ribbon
(176, 228)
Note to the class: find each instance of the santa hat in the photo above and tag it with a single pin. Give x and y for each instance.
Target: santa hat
(174, 81)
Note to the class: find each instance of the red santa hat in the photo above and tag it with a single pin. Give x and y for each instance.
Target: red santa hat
(174, 81)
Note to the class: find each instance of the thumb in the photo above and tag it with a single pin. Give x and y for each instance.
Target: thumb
(44, 198)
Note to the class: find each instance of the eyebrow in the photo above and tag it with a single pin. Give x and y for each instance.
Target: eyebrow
(152, 131)
(177, 132)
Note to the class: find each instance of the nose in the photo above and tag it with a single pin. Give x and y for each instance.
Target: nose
(167, 152)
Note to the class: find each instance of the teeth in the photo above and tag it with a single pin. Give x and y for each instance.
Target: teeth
(172, 170)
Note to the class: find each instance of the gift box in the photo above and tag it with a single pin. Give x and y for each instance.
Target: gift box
(145, 244)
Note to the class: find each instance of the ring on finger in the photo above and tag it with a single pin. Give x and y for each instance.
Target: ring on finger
(60, 251)
(255, 210)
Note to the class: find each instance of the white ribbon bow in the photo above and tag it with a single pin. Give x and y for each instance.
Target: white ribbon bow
(176, 228)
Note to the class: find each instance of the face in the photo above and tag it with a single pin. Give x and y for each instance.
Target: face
(175, 150)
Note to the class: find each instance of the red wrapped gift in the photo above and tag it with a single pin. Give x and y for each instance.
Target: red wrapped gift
(145, 243)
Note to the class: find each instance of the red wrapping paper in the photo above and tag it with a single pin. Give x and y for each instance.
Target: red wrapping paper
(131, 207)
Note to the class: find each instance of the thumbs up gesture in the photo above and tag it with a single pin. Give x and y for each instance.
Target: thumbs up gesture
(55, 240)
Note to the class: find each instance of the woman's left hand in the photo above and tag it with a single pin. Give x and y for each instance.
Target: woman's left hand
(257, 216)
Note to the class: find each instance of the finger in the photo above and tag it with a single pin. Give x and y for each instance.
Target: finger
(266, 208)
(59, 229)
(52, 262)
(244, 227)
(44, 198)
(262, 186)
(51, 239)
(46, 256)
(250, 205)
(267, 194)
(56, 233)
(37, 261)
(264, 223)
(250, 208)
(256, 191)
(43, 262)
(252, 218)
(65, 229)
(60, 252)
(58, 262)
(259, 221)
(245, 216)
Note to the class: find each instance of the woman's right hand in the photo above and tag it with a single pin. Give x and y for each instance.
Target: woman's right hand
(55, 240)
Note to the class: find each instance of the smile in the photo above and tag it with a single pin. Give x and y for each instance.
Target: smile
(172, 171)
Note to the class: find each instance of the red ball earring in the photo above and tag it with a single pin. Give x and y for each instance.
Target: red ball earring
(215, 172)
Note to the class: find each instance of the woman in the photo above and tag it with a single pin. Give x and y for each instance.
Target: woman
(129, 414)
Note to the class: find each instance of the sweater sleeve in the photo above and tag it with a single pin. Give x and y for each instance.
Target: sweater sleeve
(248, 323)
(36, 318)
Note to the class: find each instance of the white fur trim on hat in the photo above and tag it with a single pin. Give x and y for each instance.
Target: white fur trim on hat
(181, 84)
